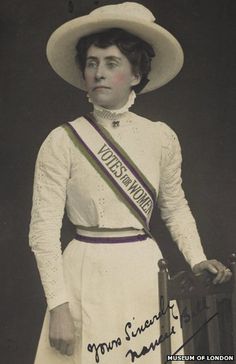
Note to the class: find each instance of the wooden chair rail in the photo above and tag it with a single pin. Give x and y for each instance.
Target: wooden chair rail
(202, 305)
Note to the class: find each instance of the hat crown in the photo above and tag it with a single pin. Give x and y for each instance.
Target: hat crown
(127, 9)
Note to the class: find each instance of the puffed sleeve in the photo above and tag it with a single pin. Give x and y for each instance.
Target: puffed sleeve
(52, 172)
(173, 205)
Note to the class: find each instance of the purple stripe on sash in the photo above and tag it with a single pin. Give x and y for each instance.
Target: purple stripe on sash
(111, 240)
(108, 175)
(125, 161)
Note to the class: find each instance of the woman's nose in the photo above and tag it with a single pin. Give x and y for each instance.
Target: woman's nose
(100, 73)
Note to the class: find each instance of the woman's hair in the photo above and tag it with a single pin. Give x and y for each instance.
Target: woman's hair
(137, 51)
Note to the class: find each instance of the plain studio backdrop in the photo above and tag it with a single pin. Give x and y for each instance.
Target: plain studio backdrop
(199, 105)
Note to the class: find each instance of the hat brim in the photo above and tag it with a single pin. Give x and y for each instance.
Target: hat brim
(61, 48)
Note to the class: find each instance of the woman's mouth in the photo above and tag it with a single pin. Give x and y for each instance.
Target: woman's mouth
(101, 88)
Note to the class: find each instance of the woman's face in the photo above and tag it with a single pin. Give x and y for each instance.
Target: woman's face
(108, 77)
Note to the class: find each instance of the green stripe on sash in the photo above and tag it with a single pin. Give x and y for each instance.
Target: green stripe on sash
(82, 149)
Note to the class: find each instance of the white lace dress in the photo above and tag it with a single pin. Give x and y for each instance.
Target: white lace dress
(111, 288)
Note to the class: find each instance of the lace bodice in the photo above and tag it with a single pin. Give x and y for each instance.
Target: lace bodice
(64, 178)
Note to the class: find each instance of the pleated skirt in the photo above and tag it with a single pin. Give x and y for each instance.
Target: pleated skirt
(114, 301)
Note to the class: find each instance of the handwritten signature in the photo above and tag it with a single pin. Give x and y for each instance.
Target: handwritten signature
(149, 323)
(131, 332)
(104, 348)
(186, 316)
(146, 349)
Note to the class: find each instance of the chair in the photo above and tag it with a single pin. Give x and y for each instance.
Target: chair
(206, 311)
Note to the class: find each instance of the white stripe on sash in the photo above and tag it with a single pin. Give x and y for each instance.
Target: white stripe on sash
(116, 168)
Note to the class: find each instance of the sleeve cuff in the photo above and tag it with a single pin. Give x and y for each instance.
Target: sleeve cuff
(56, 301)
(197, 259)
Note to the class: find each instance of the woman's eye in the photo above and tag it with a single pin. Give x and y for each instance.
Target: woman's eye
(91, 65)
(112, 64)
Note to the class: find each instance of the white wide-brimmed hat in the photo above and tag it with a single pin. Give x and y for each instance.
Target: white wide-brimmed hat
(130, 16)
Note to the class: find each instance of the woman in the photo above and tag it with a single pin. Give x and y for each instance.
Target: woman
(108, 169)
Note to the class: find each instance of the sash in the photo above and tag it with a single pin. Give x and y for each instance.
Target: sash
(115, 167)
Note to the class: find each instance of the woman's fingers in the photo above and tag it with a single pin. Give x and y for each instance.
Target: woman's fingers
(222, 273)
(220, 269)
(63, 346)
(70, 349)
(225, 276)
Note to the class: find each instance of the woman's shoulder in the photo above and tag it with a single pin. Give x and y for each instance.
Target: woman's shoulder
(57, 139)
(159, 129)
(167, 134)
(59, 133)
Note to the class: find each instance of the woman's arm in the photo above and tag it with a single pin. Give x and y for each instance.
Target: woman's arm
(175, 210)
(52, 173)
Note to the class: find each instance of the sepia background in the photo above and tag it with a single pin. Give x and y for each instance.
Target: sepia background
(199, 105)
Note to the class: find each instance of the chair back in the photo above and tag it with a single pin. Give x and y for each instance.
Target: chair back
(207, 314)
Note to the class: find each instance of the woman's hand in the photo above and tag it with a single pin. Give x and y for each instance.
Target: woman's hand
(62, 330)
(223, 274)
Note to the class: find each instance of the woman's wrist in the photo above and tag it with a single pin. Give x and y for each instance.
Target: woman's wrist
(62, 307)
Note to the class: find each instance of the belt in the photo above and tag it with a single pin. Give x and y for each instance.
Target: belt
(110, 236)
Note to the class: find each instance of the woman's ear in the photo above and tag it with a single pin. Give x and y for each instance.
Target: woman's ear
(136, 79)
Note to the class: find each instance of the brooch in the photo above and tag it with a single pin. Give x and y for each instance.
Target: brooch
(115, 124)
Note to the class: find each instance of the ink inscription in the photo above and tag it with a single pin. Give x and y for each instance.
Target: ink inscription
(132, 331)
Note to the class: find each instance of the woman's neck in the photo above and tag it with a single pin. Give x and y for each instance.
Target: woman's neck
(113, 114)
